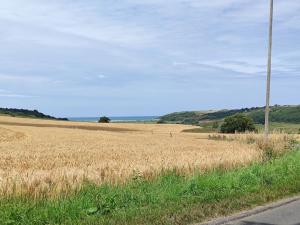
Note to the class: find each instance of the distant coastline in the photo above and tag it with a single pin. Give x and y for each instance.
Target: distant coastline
(115, 119)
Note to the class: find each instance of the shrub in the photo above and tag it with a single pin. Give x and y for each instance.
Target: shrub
(237, 123)
(104, 119)
(217, 137)
(160, 121)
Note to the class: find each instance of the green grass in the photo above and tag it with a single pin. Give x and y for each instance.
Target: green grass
(288, 128)
(283, 127)
(169, 199)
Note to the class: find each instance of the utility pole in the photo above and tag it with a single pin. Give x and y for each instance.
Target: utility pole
(267, 110)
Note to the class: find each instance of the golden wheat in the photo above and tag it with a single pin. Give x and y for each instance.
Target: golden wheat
(48, 160)
(278, 142)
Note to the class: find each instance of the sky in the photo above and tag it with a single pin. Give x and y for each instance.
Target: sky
(145, 57)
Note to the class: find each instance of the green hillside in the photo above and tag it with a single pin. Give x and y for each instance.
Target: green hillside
(27, 114)
(182, 117)
(283, 114)
(279, 114)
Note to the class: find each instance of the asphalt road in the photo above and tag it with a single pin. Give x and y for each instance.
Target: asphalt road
(286, 212)
(284, 215)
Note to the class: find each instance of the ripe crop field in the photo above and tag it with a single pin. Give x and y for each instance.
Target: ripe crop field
(40, 157)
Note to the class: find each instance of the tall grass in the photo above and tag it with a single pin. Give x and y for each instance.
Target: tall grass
(278, 142)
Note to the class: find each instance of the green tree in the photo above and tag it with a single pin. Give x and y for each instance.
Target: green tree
(237, 123)
(104, 119)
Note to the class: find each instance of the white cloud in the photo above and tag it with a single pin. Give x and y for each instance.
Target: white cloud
(102, 76)
(23, 78)
(230, 39)
(16, 96)
(70, 18)
(55, 48)
(285, 11)
(216, 3)
(7, 94)
(236, 66)
(180, 64)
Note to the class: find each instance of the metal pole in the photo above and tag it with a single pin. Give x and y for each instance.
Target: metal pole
(267, 110)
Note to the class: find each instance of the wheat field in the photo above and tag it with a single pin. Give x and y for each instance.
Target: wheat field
(39, 157)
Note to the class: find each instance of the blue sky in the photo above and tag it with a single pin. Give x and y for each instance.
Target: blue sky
(145, 57)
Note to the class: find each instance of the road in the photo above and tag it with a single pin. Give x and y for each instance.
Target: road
(286, 212)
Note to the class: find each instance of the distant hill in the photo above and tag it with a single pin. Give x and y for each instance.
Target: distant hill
(287, 114)
(27, 113)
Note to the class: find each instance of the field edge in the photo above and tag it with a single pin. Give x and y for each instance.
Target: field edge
(169, 199)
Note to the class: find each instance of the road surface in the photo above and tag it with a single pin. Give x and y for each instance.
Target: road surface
(286, 212)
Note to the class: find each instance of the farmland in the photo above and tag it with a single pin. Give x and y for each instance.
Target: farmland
(39, 157)
(60, 172)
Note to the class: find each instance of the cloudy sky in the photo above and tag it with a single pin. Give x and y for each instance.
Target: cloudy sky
(145, 57)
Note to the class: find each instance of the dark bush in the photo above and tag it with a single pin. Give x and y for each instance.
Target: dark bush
(237, 123)
(104, 119)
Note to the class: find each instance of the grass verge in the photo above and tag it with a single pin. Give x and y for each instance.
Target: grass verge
(170, 198)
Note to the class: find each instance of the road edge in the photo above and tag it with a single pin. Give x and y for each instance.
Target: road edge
(247, 213)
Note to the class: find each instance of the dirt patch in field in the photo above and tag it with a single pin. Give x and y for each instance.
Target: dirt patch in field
(7, 135)
(82, 127)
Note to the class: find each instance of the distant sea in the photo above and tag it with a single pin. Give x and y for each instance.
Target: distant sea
(117, 119)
